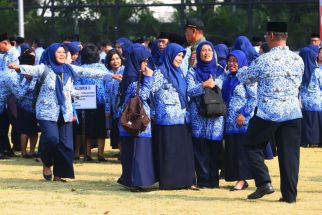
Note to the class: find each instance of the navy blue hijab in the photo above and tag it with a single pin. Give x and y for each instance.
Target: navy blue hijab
(132, 69)
(155, 52)
(205, 69)
(126, 45)
(48, 58)
(242, 43)
(231, 81)
(174, 74)
(310, 64)
(222, 52)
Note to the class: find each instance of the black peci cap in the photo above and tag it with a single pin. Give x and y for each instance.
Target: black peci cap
(313, 35)
(277, 26)
(164, 35)
(194, 23)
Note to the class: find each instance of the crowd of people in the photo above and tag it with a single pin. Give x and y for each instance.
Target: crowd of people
(272, 98)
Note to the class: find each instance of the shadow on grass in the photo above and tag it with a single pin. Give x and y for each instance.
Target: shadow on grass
(108, 187)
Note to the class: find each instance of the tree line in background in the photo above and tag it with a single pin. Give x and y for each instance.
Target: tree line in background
(222, 22)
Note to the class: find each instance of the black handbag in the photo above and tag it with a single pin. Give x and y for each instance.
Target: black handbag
(212, 104)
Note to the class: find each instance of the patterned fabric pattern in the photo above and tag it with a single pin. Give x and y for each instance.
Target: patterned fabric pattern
(208, 128)
(9, 84)
(101, 95)
(47, 107)
(279, 75)
(242, 101)
(167, 106)
(112, 89)
(25, 102)
(145, 91)
(9, 57)
(311, 96)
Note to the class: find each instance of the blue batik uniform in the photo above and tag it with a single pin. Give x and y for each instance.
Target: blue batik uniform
(47, 107)
(201, 127)
(278, 87)
(112, 89)
(311, 95)
(9, 57)
(145, 90)
(167, 106)
(243, 101)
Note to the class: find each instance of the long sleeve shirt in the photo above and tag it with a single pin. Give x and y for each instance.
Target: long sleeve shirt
(279, 75)
(47, 107)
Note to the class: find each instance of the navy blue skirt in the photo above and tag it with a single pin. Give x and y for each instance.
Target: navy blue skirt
(175, 156)
(95, 124)
(236, 161)
(115, 134)
(27, 122)
(137, 162)
(311, 128)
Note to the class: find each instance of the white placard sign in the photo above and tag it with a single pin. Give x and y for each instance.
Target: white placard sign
(87, 97)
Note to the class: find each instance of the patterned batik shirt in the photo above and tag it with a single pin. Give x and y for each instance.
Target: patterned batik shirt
(9, 57)
(279, 75)
(311, 95)
(209, 128)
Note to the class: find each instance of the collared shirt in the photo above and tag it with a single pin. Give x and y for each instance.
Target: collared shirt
(47, 107)
(167, 105)
(9, 57)
(9, 84)
(279, 75)
(209, 128)
(311, 95)
(243, 101)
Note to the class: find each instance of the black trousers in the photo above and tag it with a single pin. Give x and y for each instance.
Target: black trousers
(288, 140)
(4, 129)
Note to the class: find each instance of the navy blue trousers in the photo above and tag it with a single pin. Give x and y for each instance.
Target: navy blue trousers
(288, 140)
(57, 147)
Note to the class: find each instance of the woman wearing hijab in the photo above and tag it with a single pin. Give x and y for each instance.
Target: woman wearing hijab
(137, 157)
(242, 43)
(207, 133)
(114, 62)
(123, 45)
(240, 100)
(311, 98)
(54, 108)
(222, 52)
(174, 145)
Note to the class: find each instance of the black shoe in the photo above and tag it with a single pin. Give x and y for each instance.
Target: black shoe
(262, 191)
(27, 156)
(137, 189)
(9, 153)
(88, 158)
(283, 200)
(244, 187)
(101, 159)
(3, 157)
(76, 158)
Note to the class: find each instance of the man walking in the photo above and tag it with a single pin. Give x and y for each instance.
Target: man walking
(279, 75)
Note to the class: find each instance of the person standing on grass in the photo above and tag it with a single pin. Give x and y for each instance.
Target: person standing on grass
(137, 153)
(278, 74)
(207, 133)
(54, 108)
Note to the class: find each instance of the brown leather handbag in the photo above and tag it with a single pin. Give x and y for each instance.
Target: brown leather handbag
(134, 118)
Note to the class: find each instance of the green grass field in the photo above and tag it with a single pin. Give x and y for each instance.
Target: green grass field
(95, 191)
